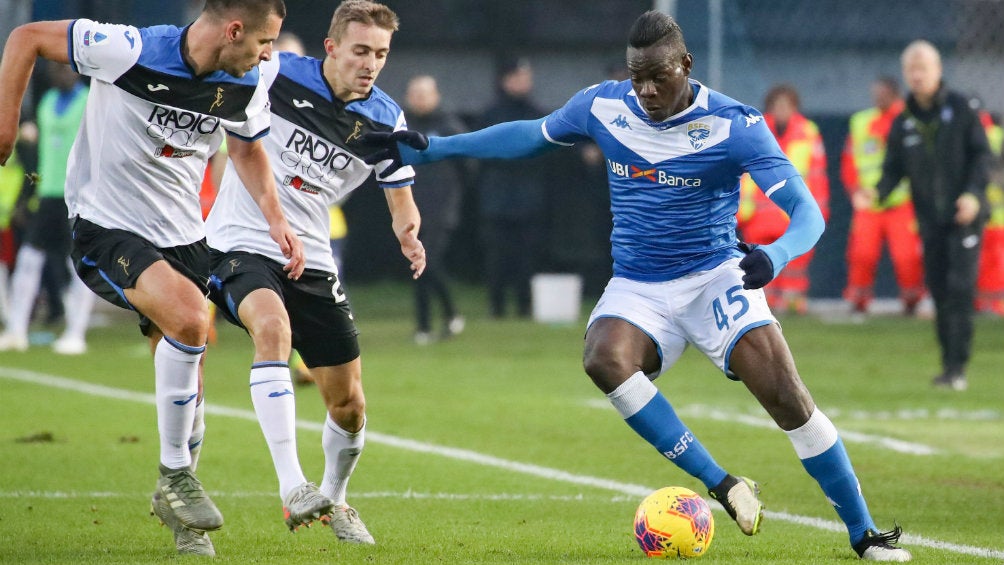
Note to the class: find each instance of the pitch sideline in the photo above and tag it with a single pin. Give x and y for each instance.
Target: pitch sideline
(469, 456)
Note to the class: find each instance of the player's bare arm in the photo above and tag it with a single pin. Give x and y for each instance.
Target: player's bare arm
(405, 221)
(25, 44)
(252, 165)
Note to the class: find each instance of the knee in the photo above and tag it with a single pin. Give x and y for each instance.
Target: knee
(349, 412)
(606, 368)
(191, 324)
(270, 331)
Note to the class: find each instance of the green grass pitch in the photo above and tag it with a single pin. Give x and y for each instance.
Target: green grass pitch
(494, 447)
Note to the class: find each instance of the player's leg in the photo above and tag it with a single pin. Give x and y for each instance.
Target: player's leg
(343, 439)
(177, 308)
(264, 315)
(79, 302)
(24, 286)
(251, 291)
(762, 360)
(326, 336)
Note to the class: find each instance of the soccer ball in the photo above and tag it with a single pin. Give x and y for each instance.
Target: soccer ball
(674, 522)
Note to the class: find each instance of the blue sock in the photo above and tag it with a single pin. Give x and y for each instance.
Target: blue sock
(649, 414)
(824, 457)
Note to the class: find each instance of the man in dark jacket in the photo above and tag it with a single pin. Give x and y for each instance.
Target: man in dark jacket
(512, 198)
(440, 200)
(940, 146)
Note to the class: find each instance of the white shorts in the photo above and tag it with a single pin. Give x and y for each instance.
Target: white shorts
(709, 309)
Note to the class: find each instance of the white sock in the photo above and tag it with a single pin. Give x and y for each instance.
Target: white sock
(24, 289)
(275, 406)
(177, 385)
(78, 303)
(341, 453)
(198, 433)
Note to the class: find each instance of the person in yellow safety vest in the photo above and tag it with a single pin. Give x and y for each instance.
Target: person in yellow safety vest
(894, 221)
(760, 221)
(11, 181)
(990, 281)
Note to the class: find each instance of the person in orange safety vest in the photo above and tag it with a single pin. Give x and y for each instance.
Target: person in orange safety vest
(893, 221)
(760, 221)
(990, 281)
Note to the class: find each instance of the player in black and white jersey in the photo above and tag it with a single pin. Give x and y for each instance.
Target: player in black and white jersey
(161, 98)
(320, 108)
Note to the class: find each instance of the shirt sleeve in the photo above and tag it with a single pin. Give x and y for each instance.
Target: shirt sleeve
(568, 124)
(757, 152)
(103, 51)
(259, 114)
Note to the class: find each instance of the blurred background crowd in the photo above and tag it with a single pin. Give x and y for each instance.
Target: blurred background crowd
(462, 64)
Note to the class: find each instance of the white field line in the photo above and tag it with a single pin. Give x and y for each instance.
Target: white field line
(628, 489)
(721, 415)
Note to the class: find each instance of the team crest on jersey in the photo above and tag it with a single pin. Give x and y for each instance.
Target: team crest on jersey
(356, 131)
(219, 99)
(698, 132)
(95, 38)
(299, 184)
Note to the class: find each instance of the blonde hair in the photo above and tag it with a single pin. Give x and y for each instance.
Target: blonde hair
(364, 12)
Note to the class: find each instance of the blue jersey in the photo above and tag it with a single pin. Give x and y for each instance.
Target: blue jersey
(674, 185)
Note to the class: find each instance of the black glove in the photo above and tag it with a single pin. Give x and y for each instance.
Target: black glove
(757, 265)
(389, 148)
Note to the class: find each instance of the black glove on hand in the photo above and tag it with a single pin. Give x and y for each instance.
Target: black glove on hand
(387, 142)
(757, 265)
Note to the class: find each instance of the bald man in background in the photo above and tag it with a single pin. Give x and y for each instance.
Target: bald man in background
(939, 144)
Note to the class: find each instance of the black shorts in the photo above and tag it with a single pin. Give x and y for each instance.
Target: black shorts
(320, 316)
(111, 260)
(49, 228)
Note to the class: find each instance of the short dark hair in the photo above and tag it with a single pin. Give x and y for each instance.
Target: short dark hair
(652, 28)
(256, 10)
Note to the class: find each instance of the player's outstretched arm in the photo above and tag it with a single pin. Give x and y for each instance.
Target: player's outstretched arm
(26, 42)
(255, 172)
(508, 140)
(405, 221)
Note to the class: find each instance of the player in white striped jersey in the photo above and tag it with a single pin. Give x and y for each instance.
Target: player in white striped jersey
(320, 108)
(675, 150)
(161, 98)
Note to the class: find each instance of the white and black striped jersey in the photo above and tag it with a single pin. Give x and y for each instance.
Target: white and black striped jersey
(314, 149)
(149, 128)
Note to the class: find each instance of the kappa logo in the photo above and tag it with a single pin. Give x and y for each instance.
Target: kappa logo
(157, 88)
(129, 38)
(698, 132)
(302, 103)
(234, 263)
(753, 120)
(124, 263)
(219, 99)
(355, 132)
(621, 122)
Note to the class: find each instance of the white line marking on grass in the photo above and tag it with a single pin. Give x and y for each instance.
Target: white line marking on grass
(634, 490)
(703, 411)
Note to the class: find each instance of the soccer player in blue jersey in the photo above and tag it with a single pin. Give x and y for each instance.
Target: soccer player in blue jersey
(161, 99)
(320, 109)
(675, 150)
